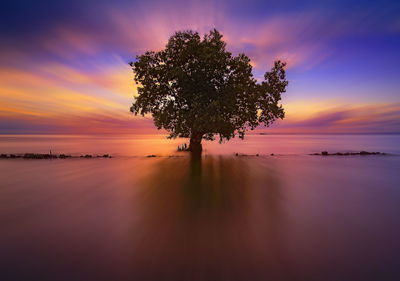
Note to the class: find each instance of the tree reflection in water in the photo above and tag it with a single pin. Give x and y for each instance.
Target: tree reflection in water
(215, 218)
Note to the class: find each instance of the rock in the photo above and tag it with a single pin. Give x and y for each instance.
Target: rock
(325, 153)
(103, 156)
(3, 156)
(272, 154)
(257, 155)
(88, 156)
(151, 155)
(29, 156)
(63, 156)
(39, 156)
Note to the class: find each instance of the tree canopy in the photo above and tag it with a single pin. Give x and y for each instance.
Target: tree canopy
(196, 89)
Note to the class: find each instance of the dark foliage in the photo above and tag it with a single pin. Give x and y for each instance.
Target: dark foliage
(194, 88)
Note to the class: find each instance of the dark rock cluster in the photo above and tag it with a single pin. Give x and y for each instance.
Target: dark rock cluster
(245, 155)
(86, 156)
(48, 156)
(63, 156)
(39, 156)
(10, 156)
(104, 156)
(325, 153)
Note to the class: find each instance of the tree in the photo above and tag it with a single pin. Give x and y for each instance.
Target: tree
(196, 89)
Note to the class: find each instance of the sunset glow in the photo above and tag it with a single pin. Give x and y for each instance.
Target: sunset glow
(64, 74)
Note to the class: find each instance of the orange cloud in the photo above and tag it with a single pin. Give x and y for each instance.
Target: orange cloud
(367, 118)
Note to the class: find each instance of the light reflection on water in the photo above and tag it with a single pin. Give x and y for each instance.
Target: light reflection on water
(221, 218)
(142, 145)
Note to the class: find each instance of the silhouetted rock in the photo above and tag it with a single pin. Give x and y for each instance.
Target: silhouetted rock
(152, 155)
(30, 156)
(103, 156)
(48, 156)
(325, 153)
(272, 154)
(63, 156)
(39, 156)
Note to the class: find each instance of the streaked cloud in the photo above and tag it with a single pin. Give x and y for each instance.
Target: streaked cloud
(67, 71)
(375, 118)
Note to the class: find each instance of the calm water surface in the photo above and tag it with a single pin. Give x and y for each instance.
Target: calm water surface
(285, 217)
(141, 145)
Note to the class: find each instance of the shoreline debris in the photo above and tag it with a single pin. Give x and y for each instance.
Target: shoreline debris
(49, 156)
(325, 153)
(182, 147)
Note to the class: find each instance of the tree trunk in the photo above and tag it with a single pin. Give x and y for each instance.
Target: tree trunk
(195, 146)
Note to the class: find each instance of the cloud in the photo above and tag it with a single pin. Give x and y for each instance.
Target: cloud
(71, 68)
(368, 118)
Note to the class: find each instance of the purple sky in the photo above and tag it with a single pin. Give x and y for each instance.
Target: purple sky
(64, 65)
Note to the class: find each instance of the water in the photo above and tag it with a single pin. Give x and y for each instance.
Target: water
(142, 145)
(291, 216)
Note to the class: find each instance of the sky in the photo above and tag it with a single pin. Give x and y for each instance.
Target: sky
(64, 64)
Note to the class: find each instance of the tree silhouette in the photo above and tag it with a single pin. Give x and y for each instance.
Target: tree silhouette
(196, 89)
